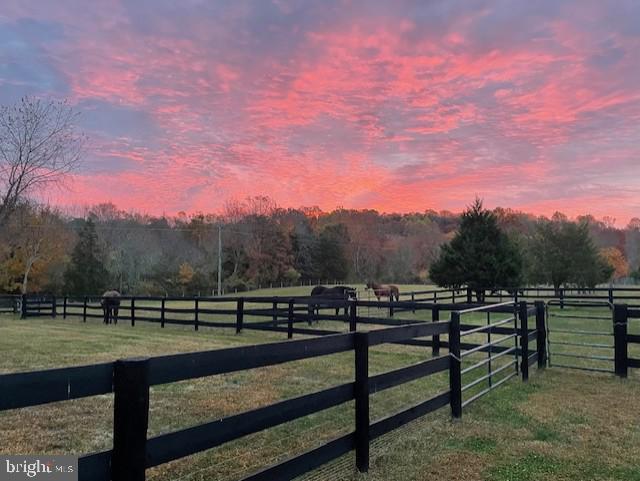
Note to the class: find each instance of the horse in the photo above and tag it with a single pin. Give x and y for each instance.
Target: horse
(110, 303)
(384, 290)
(345, 293)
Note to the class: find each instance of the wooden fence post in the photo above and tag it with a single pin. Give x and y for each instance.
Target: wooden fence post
(54, 307)
(435, 340)
(611, 295)
(390, 304)
(524, 340)
(133, 311)
(561, 298)
(453, 296)
(195, 318)
(620, 316)
(130, 419)
(413, 300)
(84, 310)
(361, 391)
(162, 302)
(64, 307)
(541, 339)
(290, 320)
(353, 316)
(239, 315)
(23, 308)
(469, 295)
(455, 366)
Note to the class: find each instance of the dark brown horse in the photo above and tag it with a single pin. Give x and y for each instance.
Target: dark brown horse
(110, 303)
(384, 290)
(335, 293)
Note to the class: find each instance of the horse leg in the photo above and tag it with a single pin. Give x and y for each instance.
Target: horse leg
(115, 315)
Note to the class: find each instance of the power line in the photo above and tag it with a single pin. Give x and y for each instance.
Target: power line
(142, 229)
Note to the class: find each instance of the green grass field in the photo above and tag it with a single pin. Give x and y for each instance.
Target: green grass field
(562, 425)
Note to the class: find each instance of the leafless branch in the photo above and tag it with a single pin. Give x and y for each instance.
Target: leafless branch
(39, 146)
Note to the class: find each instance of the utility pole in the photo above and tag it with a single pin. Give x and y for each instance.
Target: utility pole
(219, 259)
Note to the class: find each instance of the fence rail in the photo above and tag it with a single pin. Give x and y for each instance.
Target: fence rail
(610, 294)
(9, 304)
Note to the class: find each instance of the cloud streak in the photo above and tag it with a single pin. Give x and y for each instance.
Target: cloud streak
(398, 106)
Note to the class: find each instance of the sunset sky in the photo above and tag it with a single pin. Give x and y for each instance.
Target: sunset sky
(394, 105)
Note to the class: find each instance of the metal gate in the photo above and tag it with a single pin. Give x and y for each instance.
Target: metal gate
(489, 355)
(580, 335)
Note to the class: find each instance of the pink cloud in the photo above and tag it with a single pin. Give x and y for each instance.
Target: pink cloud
(354, 105)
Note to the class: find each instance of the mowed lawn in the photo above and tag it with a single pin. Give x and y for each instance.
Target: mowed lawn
(562, 425)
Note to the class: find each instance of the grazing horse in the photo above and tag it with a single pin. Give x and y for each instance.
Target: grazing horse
(345, 293)
(110, 303)
(384, 290)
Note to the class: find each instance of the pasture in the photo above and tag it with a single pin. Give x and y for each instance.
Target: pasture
(563, 424)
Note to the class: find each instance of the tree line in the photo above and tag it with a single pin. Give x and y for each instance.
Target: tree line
(261, 244)
(42, 250)
(496, 250)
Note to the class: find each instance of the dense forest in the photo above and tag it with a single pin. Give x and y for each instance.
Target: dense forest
(262, 245)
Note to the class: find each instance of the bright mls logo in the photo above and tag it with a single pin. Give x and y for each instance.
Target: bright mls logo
(50, 468)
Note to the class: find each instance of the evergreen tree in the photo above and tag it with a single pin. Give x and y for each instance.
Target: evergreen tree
(563, 252)
(480, 256)
(86, 274)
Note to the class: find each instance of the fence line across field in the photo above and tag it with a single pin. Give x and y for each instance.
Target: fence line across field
(130, 380)
(486, 346)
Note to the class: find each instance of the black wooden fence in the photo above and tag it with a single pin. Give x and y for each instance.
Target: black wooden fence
(9, 304)
(89, 306)
(131, 379)
(138, 308)
(38, 305)
(619, 294)
(623, 340)
(284, 314)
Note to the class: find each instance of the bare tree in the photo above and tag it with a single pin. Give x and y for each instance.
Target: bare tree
(39, 146)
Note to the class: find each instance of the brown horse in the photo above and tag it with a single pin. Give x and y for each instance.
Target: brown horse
(384, 290)
(338, 293)
(110, 304)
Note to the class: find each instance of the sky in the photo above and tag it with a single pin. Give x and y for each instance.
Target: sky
(393, 105)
